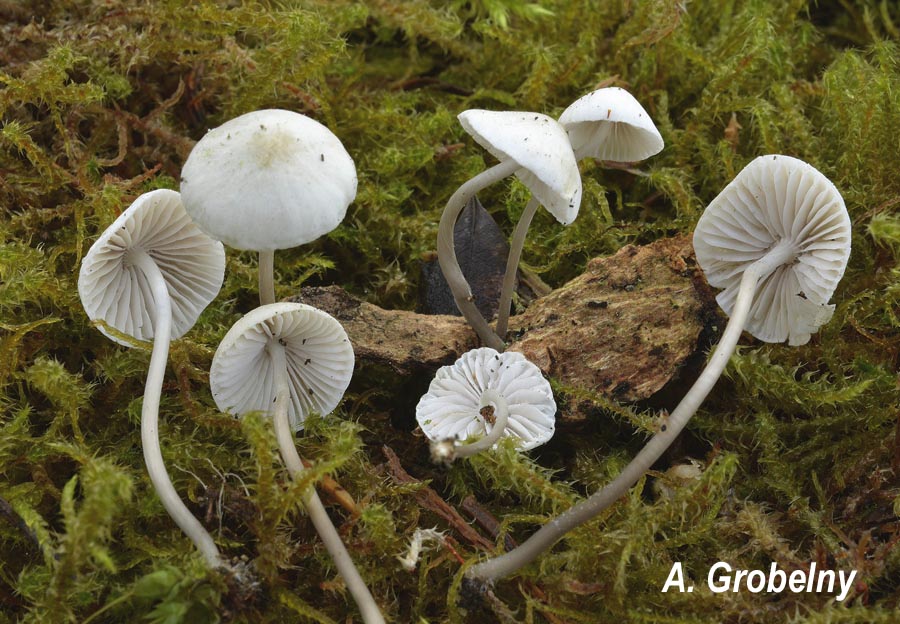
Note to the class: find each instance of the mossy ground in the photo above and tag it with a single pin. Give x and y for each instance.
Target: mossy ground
(100, 100)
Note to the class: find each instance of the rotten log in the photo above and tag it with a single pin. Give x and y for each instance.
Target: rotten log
(622, 328)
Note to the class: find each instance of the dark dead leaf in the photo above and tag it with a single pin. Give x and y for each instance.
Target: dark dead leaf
(481, 249)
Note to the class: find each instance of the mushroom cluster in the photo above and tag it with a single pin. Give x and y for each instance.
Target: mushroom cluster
(267, 180)
(776, 240)
(607, 124)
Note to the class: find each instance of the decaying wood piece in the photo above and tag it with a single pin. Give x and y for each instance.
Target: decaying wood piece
(407, 342)
(622, 328)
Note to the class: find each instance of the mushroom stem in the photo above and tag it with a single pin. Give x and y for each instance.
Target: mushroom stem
(512, 264)
(267, 277)
(462, 293)
(156, 468)
(488, 397)
(314, 507)
(504, 565)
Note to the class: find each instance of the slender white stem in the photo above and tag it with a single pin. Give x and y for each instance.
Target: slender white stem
(156, 468)
(266, 277)
(504, 565)
(501, 412)
(512, 264)
(462, 293)
(314, 507)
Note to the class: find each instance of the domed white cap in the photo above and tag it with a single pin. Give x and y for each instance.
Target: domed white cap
(319, 361)
(270, 179)
(115, 291)
(610, 124)
(451, 408)
(777, 198)
(540, 146)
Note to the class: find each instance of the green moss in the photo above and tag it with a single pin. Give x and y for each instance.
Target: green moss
(100, 101)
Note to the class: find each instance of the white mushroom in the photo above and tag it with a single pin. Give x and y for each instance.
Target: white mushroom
(270, 179)
(114, 284)
(780, 224)
(777, 206)
(490, 394)
(610, 124)
(318, 355)
(535, 148)
(538, 144)
(149, 276)
(296, 359)
(607, 124)
(267, 180)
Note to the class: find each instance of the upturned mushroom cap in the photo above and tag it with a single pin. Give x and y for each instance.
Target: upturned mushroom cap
(610, 124)
(270, 179)
(540, 146)
(452, 406)
(116, 292)
(318, 353)
(777, 198)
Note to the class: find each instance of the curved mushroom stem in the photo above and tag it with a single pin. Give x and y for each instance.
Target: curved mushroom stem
(462, 293)
(314, 507)
(512, 264)
(156, 468)
(266, 277)
(504, 565)
(488, 397)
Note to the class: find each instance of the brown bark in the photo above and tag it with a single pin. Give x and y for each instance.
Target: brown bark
(622, 328)
(405, 341)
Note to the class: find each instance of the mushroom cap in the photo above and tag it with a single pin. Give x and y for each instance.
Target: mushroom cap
(451, 407)
(772, 199)
(540, 146)
(114, 290)
(610, 124)
(270, 179)
(318, 354)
